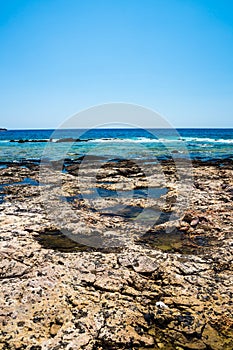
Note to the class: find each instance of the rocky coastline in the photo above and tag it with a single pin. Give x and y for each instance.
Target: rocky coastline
(166, 287)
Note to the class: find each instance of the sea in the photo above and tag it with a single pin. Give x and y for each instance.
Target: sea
(203, 144)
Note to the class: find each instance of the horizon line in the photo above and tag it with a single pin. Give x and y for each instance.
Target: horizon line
(145, 127)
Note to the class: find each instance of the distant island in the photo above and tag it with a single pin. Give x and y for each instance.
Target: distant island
(3, 129)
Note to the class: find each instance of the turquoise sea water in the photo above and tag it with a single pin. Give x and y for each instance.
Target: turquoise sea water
(126, 143)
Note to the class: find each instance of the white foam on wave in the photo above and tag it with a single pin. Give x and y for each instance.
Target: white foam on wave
(225, 141)
(135, 140)
(206, 140)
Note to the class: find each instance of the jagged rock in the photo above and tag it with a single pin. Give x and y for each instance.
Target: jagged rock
(144, 264)
(161, 289)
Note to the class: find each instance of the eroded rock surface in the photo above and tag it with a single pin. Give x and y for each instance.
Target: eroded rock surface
(169, 288)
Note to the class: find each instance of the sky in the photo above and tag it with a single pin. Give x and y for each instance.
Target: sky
(58, 57)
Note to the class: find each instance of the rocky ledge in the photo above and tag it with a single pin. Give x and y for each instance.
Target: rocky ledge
(170, 288)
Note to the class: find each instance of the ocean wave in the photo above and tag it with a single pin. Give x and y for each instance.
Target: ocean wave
(205, 139)
(202, 140)
(131, 140)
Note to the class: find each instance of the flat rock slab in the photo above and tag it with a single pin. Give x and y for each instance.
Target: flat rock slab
(136, 296)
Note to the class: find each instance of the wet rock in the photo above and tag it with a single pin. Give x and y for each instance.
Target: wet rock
(67, 139)
(55, 295)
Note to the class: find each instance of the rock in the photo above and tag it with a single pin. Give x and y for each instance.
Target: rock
(188, 217)
(212, 339)
(67, 139)
(54, 329)
(194, 222)
(59, 294)
(144, 264)
(196, 344)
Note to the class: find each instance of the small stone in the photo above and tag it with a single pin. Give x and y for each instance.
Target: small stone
(194, 222)
(161, 305)
(54, 329)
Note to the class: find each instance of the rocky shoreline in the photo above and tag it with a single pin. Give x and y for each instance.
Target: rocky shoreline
(168, 286)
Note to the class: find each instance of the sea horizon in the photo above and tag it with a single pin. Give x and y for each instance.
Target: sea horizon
(146, 127)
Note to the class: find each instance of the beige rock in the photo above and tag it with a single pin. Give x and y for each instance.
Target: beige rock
(80, 297)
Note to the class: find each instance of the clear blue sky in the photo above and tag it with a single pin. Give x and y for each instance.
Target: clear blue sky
(60, 56)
